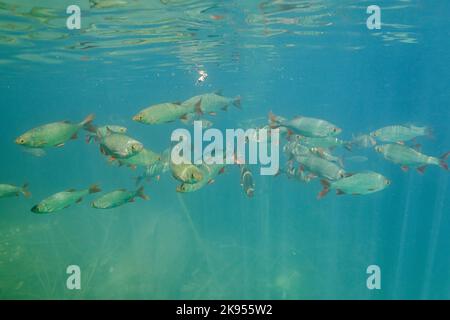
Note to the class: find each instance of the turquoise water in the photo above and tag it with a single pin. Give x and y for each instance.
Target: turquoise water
(314, 58)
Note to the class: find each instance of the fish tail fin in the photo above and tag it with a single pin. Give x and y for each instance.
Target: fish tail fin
(88, 120)
(95, 188)
(237, 102)
(89, 127)
(443, 160)
(25, 191)
(87, 124)
(141, 194)
(273, 118)
(325, 190)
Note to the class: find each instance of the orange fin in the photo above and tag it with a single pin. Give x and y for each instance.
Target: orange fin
(443, 159)
(325, 190)
(421, 169)
(94, 189)
(141, 194)
(198, 107)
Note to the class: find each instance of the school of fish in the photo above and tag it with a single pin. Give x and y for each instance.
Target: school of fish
(308, 145)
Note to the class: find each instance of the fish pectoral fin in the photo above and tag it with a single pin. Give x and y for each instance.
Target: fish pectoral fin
(211, 181)
(74, 136)
(198, 107)
(60, 145)
(79, 200)
(213, 114)
(346, 175)
(132, 200)
(405, 168)
(339, 192)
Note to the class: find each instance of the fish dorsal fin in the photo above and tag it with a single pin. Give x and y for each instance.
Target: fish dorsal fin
(71, 190)
(177, 103)
(66, 121)
(218, 92)
(122, 190)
